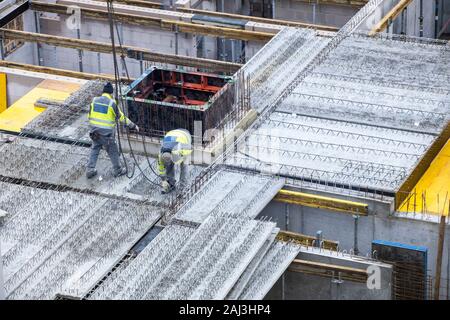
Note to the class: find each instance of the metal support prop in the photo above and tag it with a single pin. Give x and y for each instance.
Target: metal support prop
(99, 63)
(355, 239)
(2, 287)
(141, 63)
(318, 238)
(80, 53)
(403, 21)
(440, 249)
(38, 30)
(2, 50)
(436, 18)
(287, 216)
(421, 19)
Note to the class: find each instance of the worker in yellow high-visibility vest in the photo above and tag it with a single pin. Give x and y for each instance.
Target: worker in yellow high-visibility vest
(175, 148)
(103, 115)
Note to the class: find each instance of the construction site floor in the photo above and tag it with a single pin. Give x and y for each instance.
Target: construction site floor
(432, 192)
(23, 111)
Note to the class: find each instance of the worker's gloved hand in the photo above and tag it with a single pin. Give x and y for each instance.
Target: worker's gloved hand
(136, 128)
(165, 186)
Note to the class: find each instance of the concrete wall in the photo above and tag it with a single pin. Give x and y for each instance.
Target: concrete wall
(326, 14)
(302, 286)
(2, 289)
(152, 39)
(27, 52)
(411, 22)
(378, 225)
(18, 86)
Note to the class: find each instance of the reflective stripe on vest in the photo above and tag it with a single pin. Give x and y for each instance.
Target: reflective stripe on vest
(101, 114)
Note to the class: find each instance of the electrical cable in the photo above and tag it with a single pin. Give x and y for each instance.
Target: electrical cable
(112, 25)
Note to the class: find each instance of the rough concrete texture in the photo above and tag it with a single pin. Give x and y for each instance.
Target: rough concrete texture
(144, 270)
(363, 116)
(274, 263)
(219, 262)
(185, 264)
(322, 13)
(33, 159)
(379, 225)
(254, 264)
(304, 286)
(70, 119)
(238, 193)
(279, 62)
(63, 242)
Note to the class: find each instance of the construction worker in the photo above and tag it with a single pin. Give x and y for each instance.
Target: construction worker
(175, 148)
(103, 114)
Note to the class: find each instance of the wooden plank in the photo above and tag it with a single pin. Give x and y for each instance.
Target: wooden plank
(3, 93)
(306, 240)
(325, 269)
(129, 51)
(389, 17)
(316, 201)
(153, 5)
(163, 24)
(59, 72)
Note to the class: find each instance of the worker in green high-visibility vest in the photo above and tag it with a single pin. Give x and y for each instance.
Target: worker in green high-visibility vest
(103, 115)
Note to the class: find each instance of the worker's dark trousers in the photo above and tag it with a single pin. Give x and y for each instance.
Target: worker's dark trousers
(108, 142)
(170, 174)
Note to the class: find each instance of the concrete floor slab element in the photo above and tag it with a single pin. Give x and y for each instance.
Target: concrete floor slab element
(362, 118)
(245, 277)
(241, 194)
(315, 280)
(212, 260)
(274, 263)
(64, 242)
(278, 63)
(69, 119)
(142, 272)
(188, 263)
(65, 165)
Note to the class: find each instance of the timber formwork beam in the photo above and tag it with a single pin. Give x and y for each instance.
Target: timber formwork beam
(390, 17)
(352, 3)
(58, 72)
(128, 51)
(152, 5)
(329, 270)
(301, 239)
(321, 202)
(164, 24)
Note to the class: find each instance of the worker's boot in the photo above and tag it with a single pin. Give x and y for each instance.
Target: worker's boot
(166, 187)
(120, 172)
(90, 173)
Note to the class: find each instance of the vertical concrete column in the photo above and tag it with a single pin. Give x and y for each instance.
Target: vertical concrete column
(2, 287)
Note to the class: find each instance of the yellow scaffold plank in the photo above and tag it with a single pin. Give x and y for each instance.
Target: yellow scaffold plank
(431, 194)
(23, 110)
(3, 93)
(316, 201)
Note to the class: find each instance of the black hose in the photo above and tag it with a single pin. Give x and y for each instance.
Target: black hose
(118, 87)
